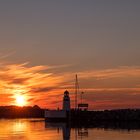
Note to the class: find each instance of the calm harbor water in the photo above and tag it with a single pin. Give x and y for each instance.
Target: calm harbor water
(37, 129)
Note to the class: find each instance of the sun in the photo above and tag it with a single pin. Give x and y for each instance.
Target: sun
(20, 100)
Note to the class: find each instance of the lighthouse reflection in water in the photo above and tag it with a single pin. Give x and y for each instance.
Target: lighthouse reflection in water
(66, 130)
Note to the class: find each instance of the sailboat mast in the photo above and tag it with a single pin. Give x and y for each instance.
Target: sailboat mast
(76, 91)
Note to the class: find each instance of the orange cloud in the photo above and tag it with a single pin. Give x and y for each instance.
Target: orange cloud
(123, 71)
(103, 88)
(21, 79)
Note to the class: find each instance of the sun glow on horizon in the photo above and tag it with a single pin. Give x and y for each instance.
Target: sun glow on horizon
(20, 100)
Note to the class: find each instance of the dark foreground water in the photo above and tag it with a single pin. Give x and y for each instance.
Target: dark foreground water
(37, 129)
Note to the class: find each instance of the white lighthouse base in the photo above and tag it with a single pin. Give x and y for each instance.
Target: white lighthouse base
(56, 115)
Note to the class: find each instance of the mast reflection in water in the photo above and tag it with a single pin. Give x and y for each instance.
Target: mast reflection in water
(66, 130)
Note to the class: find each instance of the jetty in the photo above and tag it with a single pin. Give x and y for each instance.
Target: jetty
(80, 115)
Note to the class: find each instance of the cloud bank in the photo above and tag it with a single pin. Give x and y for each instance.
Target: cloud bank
(104, 89)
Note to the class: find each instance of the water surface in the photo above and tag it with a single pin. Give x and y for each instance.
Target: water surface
(37, 129)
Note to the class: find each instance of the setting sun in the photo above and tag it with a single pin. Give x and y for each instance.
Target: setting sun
(20, 100)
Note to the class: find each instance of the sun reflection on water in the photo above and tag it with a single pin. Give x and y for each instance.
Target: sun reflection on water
(19, 126)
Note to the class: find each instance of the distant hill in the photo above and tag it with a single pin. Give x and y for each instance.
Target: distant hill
(21, 112)
(82, 116)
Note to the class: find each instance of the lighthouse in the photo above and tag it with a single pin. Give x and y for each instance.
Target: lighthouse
(66, 101)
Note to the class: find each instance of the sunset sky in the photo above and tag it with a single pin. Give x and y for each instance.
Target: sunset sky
(43, 44)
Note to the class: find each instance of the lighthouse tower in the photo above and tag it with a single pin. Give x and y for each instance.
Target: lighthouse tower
(66, 101)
